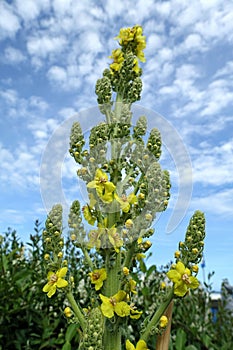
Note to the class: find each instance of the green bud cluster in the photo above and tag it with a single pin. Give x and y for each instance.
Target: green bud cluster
(76, 142)
(92, 336)
(127, 82)
(134, 90)
(103, 90)
(154, 143)
(77, 232)
(99, 134)
(140, 129)
(53, 242)
(159, 188)
(192, 248)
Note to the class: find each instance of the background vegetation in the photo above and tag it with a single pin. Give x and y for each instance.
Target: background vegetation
(29, 320)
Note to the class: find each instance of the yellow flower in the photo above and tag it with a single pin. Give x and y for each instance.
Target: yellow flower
(136, 67)
(68, 312)
(182, 279)
(125, 201)
(115, 239)
(104, 188)
(55, 280)
(140, 256)
(118, 59)
(115, 304)
(88, 215)
(135, 314)
(132, 286)
(163, 321)
(94, 239)
(98, 277)
(140, 240)
(177, 254)
(141, 345)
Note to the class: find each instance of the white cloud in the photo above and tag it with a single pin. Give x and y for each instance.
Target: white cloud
(66, 79)
(19, 169)
(9, 22)
(27, 9)
(218, 96)
(13, 56)
(19, 107)
(218, 203)
(226, 71)
(213, 165)
(61, 7)
(45, 45)
(10, 96)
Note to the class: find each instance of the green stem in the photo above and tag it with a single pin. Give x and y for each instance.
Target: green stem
(155, 319)
(112, 283)
(87, 257)
(118, 105)
(129, 255)
(112, 340)
(76, 309)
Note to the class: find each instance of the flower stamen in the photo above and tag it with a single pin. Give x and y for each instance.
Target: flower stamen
(186, 279)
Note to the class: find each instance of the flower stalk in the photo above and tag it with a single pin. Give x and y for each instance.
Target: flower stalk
(157, 315)
(126, 189)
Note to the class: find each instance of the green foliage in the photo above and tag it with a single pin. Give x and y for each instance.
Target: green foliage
(29, 320)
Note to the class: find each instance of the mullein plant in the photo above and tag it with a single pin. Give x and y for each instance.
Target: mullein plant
(126, 189)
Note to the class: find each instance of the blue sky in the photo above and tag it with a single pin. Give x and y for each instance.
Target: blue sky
(52, 53)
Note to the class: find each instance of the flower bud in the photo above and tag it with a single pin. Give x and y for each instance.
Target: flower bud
(128, 223)
(60, 255)
(125, 271)
(68, 312)
(177, 254)
(163, 321)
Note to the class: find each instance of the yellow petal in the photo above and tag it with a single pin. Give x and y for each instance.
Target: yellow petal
(61, 283)
(62, 272)
(120, 295)
(101, 175)
(122, 309)
(129, 345)
(194, 282)
(52, 291)
(174, 276)
(180, 268)
(141, 345)
(91, 184)
(47, 287)
(180, 290)
(107, 309)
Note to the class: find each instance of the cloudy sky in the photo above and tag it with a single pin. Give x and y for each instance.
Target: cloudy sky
(52, 53)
